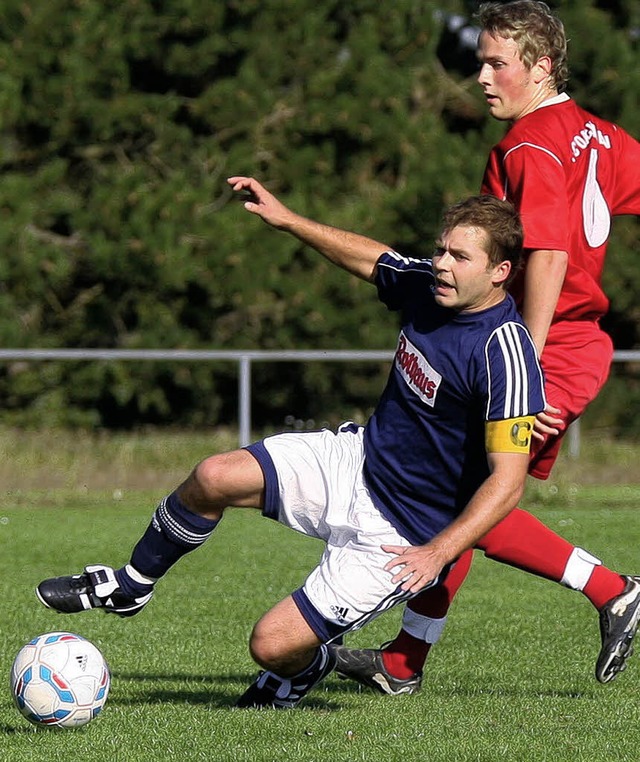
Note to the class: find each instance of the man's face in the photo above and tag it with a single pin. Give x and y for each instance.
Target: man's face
(464, 279)
(509, 86)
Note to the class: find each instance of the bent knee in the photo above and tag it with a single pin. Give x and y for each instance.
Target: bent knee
(208, 477)
(267, 649)
(233, 478)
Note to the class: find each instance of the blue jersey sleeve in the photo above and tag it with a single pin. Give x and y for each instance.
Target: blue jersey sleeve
(403, 280)
(515, 384)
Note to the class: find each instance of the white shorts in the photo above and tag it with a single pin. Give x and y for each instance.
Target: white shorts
(314, 484)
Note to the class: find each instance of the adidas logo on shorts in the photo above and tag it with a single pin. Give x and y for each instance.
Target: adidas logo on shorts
(340, 612)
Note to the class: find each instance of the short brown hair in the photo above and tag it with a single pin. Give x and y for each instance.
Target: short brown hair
(536, 31)
(499, 220)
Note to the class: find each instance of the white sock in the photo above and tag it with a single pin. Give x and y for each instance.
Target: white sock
(579, 569)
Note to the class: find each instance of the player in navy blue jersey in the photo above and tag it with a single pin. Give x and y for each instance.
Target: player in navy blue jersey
(442, 459)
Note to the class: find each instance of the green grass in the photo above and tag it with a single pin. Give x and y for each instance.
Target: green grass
(512, 678)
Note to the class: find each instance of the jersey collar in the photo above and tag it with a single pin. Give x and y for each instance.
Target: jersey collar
(555, 99)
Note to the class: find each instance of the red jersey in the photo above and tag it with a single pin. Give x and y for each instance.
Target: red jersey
(568, 173)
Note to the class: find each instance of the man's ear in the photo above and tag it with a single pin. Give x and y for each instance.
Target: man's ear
(501, 272)
(541, 69)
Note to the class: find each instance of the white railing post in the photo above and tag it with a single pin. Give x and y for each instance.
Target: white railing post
(244, 400)
(573, 433)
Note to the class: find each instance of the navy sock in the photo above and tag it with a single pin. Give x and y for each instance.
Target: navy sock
(286, 692)
(174, 531)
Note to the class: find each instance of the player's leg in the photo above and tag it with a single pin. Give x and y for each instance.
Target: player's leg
(350, 585)
(292, 655)
(181, 523)
(400, 662)
(396, 668)
(187, 517)
(349, 588)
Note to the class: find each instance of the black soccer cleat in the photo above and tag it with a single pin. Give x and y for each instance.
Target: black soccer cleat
(95, 588)
(275, 692)
(619, 620)
(366, 666)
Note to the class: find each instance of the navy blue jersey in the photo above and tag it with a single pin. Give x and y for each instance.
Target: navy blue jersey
(425, 450)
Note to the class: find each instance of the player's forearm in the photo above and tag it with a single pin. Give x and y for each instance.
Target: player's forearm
(353, 252)
(416, 566)
(544, 277)
(493, 500)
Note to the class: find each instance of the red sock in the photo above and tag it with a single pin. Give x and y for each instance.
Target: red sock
(603, 585)
(405, 655)
(522, 541)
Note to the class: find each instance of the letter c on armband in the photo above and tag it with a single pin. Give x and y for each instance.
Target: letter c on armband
(510, 435)
(521, 434)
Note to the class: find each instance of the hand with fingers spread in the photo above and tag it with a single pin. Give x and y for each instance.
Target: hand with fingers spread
(414, 566)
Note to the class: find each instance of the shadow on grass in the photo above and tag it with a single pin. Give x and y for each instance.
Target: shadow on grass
(14, 730)
(477, 688)
(210, 696)
(30, 729)
(211, 690)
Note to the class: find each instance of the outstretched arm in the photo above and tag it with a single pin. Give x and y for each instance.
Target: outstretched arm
(355, 253)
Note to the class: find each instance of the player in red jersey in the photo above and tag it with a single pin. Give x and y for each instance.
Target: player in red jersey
(568, 173)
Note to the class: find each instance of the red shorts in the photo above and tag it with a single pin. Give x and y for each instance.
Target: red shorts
(576, 361)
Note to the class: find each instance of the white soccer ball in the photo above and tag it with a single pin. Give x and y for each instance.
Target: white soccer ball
(60, 679)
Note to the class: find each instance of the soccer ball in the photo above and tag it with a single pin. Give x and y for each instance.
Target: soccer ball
(60, 679)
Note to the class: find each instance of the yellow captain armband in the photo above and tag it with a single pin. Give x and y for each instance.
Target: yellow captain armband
(510, 435)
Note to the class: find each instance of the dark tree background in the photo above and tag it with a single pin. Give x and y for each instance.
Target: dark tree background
(119, 122)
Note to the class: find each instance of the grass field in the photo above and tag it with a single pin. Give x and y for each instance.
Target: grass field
(512, 678)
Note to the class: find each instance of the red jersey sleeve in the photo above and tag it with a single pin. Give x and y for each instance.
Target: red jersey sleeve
(532, 178)
(626, 199)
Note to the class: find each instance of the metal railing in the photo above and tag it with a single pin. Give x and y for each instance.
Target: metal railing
(245, 360)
